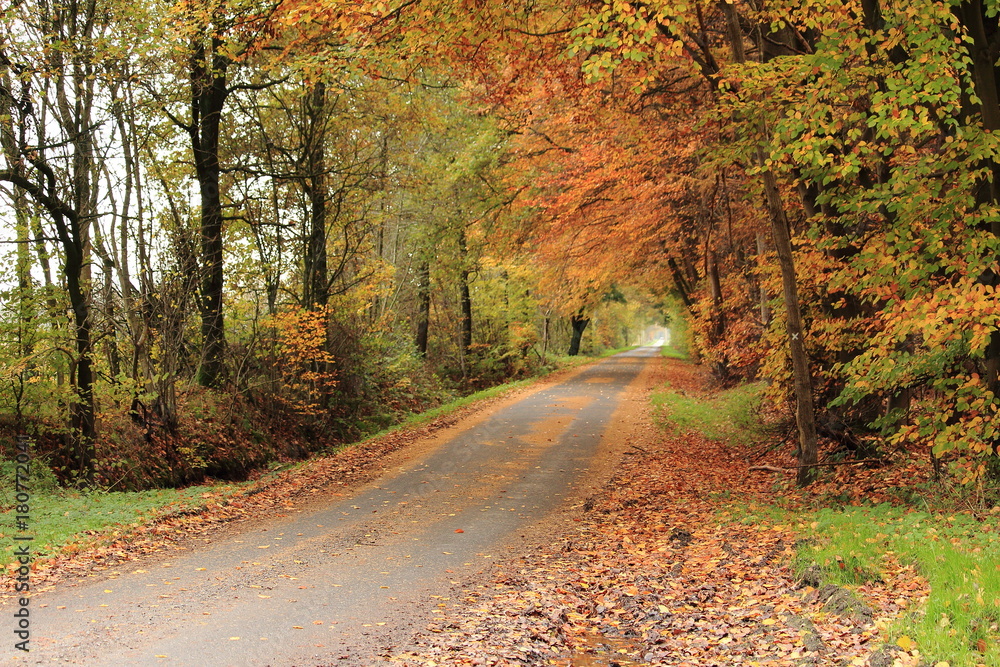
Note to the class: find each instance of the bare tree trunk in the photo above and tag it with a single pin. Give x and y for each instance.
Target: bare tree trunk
(316, 285)
(465, 296)
(765, 308)
(208, 67)
(579, 323)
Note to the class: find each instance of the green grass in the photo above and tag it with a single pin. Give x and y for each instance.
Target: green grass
(449, 407)
(673, 353)
(618, 350)
(957, 554)
(729, 416)
(61, 517)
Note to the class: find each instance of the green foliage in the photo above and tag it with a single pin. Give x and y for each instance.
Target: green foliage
(40, 480)
(876, 125)
(35, 352)
(681, 337)
(397, 387)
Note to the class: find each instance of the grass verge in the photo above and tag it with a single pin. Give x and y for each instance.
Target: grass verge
(62, 517)
(729, 416)
(671, 352)
(958, 555)
(956, 552)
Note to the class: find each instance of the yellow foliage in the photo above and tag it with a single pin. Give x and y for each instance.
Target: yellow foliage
(302, 360)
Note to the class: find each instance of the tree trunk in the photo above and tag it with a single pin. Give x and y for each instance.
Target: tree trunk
(765, 308)
(465, 296)
(316, 287)
(82, 416)
(208, 97)
(579, 323)
(984, 33)
(718, 330)
(805, 416)
(423, 306)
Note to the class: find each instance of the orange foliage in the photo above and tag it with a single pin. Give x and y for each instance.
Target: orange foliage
(304, 369)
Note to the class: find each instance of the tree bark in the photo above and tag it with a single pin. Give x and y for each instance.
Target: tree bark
(765, 308)
(465, 297)
(578, 322)
(805, 416)
(208, 97)
(423, 307)
(984, 34)
(316, 285)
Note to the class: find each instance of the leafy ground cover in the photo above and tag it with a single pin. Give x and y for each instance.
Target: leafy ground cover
(957, 553)
(689, 557)
(731, 415)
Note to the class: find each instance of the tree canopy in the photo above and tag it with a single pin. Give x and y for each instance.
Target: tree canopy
(331, 213)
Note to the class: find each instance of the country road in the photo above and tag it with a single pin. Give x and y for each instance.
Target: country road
(352, 577)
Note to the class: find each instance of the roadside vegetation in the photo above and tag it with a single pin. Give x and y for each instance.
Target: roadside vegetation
(946, 535)
(65, 520)
(954, 550)
(731, 415)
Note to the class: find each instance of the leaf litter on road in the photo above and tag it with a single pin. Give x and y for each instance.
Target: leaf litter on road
(658, 568)
(270, 494)
(663, 567)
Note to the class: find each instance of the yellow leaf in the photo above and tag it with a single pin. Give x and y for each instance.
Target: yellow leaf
(905, 643)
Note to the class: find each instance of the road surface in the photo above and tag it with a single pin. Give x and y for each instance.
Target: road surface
(349, 580)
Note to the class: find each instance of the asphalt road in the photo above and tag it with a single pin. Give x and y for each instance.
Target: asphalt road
(348, 580)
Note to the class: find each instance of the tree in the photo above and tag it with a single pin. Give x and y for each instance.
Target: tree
(57, 60)
(215, 37)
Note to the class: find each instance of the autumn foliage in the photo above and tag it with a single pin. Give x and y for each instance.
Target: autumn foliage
(876, 122)
(810, 186)
(305, 375)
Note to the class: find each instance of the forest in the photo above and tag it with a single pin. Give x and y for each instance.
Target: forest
(236, 231)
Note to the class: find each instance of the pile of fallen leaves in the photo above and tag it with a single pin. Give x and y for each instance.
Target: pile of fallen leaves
(664, 567)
